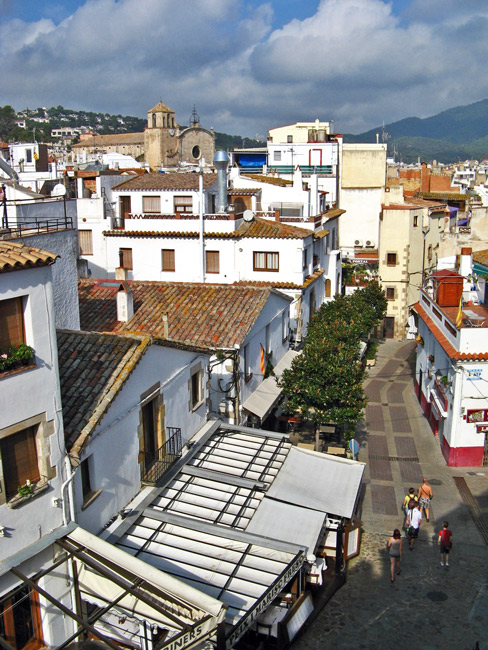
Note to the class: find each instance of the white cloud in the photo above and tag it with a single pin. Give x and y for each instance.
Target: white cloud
(354, 61)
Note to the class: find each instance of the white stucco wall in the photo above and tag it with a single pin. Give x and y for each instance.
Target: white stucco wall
(114, 446)
(30, 394)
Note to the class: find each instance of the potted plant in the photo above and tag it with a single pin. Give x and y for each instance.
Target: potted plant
(17, 355)
(420, 340)
(444, 380)
(26, 489)
(431, 358)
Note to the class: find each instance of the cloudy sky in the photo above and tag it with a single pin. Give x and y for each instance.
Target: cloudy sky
(247, 65)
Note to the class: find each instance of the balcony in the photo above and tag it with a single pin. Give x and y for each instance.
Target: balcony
(155, 465)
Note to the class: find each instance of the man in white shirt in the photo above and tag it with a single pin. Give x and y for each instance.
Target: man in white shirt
(413, 522)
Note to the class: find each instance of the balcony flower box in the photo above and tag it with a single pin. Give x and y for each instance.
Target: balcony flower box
(16, 356)
(431, 358)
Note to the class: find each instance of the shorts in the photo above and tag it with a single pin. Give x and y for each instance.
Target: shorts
(424, 502)
(413, 532)
(445, 549)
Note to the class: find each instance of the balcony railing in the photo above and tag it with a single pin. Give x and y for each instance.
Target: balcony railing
(35, 226)
(158, 463)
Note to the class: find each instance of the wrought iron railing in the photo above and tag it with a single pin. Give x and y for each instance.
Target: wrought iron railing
(28, 227)
(158, 463)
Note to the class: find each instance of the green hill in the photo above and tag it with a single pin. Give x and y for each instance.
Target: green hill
(456, 134)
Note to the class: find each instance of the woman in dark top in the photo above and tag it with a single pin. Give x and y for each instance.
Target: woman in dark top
(394, 546)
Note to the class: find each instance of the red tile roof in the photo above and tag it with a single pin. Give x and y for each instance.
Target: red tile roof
(444, 342)
(166, 182)
(282, 285)
(255, 229)
(93, 367)
(207, 315)
(15, 256)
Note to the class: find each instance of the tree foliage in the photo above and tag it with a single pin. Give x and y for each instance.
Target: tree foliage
(325, 382)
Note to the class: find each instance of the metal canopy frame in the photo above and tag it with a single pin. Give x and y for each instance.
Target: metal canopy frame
(127, 581)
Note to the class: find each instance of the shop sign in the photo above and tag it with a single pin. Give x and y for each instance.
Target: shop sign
(477, 415)
(482, 428)
(474, 373)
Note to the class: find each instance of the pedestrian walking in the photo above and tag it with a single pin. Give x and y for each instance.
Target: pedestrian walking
(425, 496)
(408, 502)
(445, 543)
(394, 546)
(413, 522)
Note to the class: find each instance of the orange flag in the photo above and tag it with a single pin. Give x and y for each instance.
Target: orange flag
(263, 364)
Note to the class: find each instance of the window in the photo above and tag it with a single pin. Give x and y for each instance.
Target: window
(429, 253)
(289, 139)
(195, 152)
(19, 460)
(277, 156)
(390, 293)
(391, 259)
(284, 326)
(28, 155)
(266, 261)
(11, 323)
(86, 242)
(313, 302)
(212, 262)
(151, 204)
(305, 258)
(415, 220)
(196, 388)
(20, 620)
(328, 288)
(183, 204)
(85, 479)
(268, 338)
(247, 366)
(125, 258)
(168, 259)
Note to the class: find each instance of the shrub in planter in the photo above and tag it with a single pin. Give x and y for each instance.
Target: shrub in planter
(16, 355)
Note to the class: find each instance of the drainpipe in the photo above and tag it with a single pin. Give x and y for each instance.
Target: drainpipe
(202, 247)
(70, 496)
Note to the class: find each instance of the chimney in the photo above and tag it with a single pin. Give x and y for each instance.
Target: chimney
(165, 324)
(221, 162)
(466, 262)
(125, 302)
(297, 178)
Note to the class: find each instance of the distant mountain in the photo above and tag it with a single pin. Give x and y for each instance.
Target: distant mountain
(456, 134)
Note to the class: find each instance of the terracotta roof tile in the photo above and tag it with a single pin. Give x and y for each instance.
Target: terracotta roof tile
(15, 256)
(481, 257)
(266, 229)
(206, 315)
(111, 140)
(93, 367)
(172, 181)
(282, 285)
(161, 107)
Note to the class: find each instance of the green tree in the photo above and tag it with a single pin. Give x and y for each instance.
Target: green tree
(325, 383)
(7, 121)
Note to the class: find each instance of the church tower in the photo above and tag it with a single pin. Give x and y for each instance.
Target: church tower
(160, 141)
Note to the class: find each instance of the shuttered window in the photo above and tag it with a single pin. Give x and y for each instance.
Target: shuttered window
(86, 242)
(11, 323)
(151, 204)
(183, 204)
(212, 261)
(168, 255)
(125, 255)
(19, 459)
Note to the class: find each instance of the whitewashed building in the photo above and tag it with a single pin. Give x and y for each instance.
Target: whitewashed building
(452, 363)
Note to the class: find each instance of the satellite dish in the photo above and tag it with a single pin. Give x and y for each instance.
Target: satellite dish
(58, 190)
(248, 215)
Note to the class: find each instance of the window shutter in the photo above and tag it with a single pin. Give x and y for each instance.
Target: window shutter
(86, 242)
(168, 259)
(151, 204)
(19, 460)
(11, 323)
(212, 261)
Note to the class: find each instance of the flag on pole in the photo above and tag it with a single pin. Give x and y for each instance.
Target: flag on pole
(263, 364)
(459, 317)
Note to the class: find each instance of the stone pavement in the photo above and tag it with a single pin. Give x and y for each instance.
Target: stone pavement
(428, 606)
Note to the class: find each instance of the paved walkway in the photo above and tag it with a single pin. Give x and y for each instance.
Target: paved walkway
(429, 606)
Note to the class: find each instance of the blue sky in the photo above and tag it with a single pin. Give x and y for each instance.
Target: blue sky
(247, 65)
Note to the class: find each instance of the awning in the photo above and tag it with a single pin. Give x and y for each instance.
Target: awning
(331, 486)
(320, 234)
(268, 392)
(288, 522)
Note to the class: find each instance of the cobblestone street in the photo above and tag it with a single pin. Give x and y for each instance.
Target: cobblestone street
(428, 606)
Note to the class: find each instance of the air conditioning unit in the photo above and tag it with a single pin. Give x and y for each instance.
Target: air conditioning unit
(370, 244)
(358, 242)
